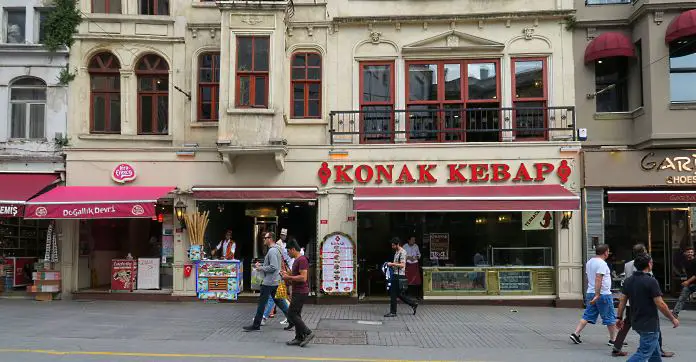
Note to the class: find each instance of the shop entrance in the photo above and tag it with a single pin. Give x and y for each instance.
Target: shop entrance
(668, 231)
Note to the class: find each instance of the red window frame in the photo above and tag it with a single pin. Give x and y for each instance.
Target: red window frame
(306, 81)
(543, 99)
(441, 102)
(389, 103)
(107, 6)
(109, 68)
(253, 75)
(152, 62)
(153, 8)
(214, 87)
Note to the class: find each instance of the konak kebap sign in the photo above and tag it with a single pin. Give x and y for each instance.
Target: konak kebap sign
(452, 173)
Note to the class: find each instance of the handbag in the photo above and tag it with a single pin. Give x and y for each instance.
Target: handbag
(403, 281)
(282, 291)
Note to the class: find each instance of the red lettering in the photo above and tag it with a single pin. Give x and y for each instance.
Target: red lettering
(342, 175)
(454, 173)
(501, 172)
(522, 174)
(424, 175)
(542, 169)
(359, 174)
(405, 176)
(479, 172)
(387, 172)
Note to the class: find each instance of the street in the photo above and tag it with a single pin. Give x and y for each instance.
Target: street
(144, 331)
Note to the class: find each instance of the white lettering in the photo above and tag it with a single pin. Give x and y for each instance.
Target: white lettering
(9, 210)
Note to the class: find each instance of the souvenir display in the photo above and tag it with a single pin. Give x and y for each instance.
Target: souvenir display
(218, 279)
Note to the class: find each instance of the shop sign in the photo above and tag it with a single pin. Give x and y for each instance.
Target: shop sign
(123, 173)
(87, 211)
(10, 210)
(684, 166)
(453, 173)
(537, 220)
(338, 264)
(439, 246)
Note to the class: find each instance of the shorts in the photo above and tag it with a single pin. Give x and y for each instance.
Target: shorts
(604, 307)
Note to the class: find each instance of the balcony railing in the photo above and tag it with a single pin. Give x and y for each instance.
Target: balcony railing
(380, 124)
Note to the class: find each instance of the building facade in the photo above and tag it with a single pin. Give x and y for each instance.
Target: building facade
(641, 56)
(457, 128)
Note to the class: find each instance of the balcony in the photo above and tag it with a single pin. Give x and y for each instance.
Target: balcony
(419, 124)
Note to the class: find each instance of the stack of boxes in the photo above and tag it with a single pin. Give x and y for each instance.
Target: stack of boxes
(46, 285)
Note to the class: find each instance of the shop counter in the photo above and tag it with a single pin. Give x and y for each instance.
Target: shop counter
(219, 279)
(442, 282)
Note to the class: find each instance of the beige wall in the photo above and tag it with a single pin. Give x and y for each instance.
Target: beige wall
(649, 168)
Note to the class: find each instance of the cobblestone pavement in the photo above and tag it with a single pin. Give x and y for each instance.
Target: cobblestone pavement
(212, 331)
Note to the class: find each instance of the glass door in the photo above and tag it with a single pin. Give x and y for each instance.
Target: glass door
(668, 229)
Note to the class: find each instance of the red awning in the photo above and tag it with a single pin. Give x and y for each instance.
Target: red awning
(99, 202)
(609, 45)
(466, 198)
(17, 188)
(682, 26)
(651, 197)
(254, 193)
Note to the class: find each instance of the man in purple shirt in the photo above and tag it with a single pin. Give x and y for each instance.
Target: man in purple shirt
(300, 294)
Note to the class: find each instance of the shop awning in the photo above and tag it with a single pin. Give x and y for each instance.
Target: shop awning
(682, 26)
(465, 198)
(17, 188)
(254, 193)
(607, 45)
(651, 197)
(96, 202)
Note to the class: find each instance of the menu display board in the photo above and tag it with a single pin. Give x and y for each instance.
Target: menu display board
(123, 274)
(218, 279)
(148, 273)
(515, 281)
(337, 264)
(439, 246)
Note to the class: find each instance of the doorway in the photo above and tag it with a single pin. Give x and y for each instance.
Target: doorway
(668, 231)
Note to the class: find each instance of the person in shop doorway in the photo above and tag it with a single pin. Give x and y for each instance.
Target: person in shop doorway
(689, 285)
(629, 270)
(642, 290)
(599, 301)
(226, 248)
(298, 277)
(413, 273)
(271, 278)
(398, 281)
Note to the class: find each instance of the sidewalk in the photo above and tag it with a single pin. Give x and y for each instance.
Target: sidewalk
(358, 332)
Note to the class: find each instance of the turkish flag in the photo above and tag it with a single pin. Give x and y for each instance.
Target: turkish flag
(188, 268)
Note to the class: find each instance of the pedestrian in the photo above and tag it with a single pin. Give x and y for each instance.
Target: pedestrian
(298, 278)
(271, 278)
(643, 292)
(599, 301)
(398, 282)
(413, 273)
(689, 285)
(629, 269)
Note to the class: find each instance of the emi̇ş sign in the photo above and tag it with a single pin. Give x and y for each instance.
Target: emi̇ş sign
(455, 173)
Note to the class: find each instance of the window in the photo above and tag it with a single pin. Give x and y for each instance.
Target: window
(154, 7)
(252, 71)
(611, 84)
(445, 106)
(529, 98)
(306, 85)
(105, 94)
(28, 108)
(208, 87)
(153, 95)
(682, 70)
(106, 6)
(15, 26)
(377, 101)
(41, 15)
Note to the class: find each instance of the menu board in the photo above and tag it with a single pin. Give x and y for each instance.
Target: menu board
(511, 281)
(337, 264)
(439, 246)
(123, 274)
(148, 273)
(218, 279)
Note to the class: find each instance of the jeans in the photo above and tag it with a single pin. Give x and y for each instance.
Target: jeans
(295, 315)
(621, 336)
(266, 293)
(648, 349)
(683, 297)
(396, 293)
(283, 305)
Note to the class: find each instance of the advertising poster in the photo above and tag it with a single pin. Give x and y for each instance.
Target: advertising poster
(537, 220)
(218, 279)
(439, 246)
(337, 264)
(123, 274)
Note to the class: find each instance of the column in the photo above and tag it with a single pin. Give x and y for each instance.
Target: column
(569, 247)
(183, 286)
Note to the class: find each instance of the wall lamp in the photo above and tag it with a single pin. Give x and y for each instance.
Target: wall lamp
(567, 215)
(180, 210)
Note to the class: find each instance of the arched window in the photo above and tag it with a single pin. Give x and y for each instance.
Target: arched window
(105, 94)
(153, 95)
(306, 85)
(28, 108)
(208, 87)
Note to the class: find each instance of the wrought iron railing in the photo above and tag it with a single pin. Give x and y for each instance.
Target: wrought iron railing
(381, 124)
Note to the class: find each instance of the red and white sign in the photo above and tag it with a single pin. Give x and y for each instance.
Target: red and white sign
(453, 173)
(123, 173)
(11, 210)
(123, 274)
(91, 211)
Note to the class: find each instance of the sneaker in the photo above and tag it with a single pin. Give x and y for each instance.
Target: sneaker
(619, 354)
(666, 354)
(576, 338)
(285, 321)
(263, 322)
(390, 315)
(415, 307)
(611, 343)
(294, 342)
(308, 338)
(251, 328)
(289, 327)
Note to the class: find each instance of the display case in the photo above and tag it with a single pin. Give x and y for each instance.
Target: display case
(23, 238)
(532, 256)
(219, 279)
(453, 282)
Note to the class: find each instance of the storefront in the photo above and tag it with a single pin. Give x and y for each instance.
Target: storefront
(643, 197)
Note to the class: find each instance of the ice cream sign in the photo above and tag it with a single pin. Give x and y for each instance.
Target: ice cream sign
(123, 173)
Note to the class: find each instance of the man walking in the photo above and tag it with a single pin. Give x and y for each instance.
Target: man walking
(271, 279)
(689, 285)
(598, 300)
(643, 291)
(300, 294)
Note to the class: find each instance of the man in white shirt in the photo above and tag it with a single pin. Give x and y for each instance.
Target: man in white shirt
(599, 301)
(413, 273)
(226, 248)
